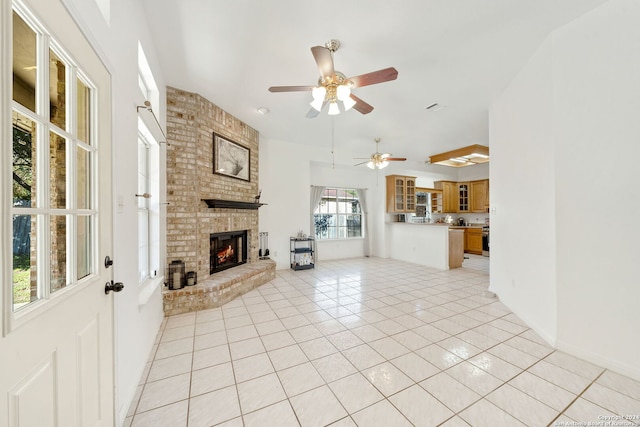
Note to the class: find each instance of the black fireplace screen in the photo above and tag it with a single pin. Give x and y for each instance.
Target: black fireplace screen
(227, 250)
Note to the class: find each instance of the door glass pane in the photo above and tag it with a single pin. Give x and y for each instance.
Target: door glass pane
(24, 63)
(25, 284)
(58, 252)
(84, 246)
(57, 171)
(24, 161)
(84, 112)
(84, 181)
(57, 90)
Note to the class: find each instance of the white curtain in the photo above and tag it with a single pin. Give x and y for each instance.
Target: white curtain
(316, 196)
(362, 197)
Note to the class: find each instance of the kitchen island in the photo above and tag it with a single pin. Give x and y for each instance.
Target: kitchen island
(431, 245)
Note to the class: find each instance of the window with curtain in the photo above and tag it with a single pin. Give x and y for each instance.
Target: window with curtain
(338, 215)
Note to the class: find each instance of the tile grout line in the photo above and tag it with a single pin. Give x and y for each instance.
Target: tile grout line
(578, 396)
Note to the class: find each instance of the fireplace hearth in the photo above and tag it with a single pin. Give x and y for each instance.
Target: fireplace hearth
(227, 250)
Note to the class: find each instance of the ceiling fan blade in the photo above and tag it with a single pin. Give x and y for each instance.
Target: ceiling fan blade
(374, 77)
(396, 159)
(361, 106)
(290, 88)
(313, 113)
(362, 163)
(323, 58)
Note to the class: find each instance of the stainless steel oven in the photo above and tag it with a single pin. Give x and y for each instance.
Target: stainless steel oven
(485, 240)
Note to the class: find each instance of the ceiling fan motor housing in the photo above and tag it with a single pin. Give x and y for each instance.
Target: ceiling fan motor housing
(332, 45)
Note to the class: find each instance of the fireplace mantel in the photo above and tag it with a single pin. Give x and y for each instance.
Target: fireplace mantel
(231, 204)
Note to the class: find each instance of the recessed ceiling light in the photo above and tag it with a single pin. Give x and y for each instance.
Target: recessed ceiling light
(263, 110)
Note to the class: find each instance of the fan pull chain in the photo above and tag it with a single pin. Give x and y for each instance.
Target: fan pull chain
(333, 157)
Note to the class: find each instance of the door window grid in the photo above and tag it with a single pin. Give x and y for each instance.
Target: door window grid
(54, 206)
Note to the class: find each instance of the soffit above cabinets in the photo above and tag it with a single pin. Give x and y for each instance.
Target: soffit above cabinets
(466, 156)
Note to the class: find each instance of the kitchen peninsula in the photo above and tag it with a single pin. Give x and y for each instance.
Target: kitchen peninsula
(433, 245)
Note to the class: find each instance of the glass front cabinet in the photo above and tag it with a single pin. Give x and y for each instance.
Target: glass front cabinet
(401, 194)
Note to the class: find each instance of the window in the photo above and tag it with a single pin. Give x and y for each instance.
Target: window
(53, 152)
(148, 183)
(338, 215)
(144, 255)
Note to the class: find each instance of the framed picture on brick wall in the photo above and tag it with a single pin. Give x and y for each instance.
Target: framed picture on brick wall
(230, 158)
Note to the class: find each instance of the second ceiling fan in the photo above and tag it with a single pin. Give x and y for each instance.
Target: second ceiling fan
(379, 160)
(333, 87)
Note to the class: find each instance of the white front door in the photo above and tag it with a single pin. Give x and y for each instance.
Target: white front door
(56, 348)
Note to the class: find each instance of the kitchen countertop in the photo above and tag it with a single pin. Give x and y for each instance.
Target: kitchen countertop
(440, 224)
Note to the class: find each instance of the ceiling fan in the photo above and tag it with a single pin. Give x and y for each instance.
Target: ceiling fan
(379, 160)
(333, 86)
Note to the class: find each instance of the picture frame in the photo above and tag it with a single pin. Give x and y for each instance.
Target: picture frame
(230, 158)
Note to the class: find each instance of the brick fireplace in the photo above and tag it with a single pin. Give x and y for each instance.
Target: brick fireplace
(191, 122)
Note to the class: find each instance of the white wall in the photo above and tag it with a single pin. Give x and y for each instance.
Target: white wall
(597, 112)
(564, 141)
(473, 173)
(523, 246)
(136, 326)
(284, 180)
(426, 245)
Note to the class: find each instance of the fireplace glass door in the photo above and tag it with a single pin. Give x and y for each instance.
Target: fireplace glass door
(227, 250)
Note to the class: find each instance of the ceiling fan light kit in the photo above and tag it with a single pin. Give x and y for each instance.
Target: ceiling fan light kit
(380, 165)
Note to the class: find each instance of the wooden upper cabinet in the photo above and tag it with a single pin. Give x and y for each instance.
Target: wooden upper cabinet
(449, 195)
(401, 193)
(461, 197)
(464, 196)
(410, 188)
(479, 195)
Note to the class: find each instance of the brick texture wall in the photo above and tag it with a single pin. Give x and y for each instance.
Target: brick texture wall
(191, 122)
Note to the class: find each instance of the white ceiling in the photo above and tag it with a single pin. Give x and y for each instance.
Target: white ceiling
(457, 53)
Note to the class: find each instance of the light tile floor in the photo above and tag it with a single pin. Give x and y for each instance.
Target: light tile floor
(371, 342)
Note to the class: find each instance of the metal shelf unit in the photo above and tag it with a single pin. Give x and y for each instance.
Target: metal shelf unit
(302, 253)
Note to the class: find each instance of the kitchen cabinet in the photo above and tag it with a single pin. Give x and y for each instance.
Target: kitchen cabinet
(436, 202)
(449, 197)
(473, 240)
(456, 248)
(463, 197)
(401, 194)
(479, 195)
